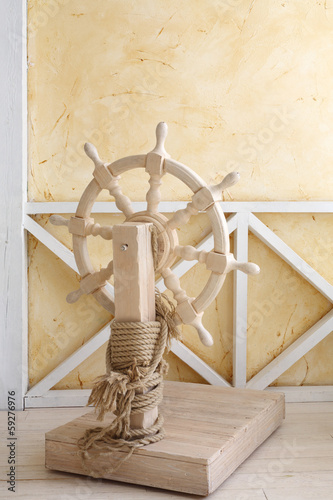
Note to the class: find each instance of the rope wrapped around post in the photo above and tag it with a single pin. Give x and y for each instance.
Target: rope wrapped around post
(134, 361)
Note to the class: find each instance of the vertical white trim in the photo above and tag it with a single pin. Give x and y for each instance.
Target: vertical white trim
(50, 242)
(240, 302)
(24, 167)
(13, 293)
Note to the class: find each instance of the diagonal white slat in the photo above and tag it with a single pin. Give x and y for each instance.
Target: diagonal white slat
(198, 365)
(50, 242)
(183, 266)
(55, 246)
(240, 303)
(293, 353)
(292, 258)
(71, 362)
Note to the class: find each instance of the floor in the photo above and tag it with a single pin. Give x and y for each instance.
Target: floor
(295, 463)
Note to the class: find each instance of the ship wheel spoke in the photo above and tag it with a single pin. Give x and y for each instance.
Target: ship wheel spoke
(202, 200)
(59, 220)
(186, 312)
(97, 230)
(172, 283)
(182, 216)
(91, 283)
(106, 180)
(218, 263)
(153, 195)
(123, 203)
(82, 226)
(155, 168)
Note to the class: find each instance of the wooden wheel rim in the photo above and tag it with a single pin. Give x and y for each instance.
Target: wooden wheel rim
(195, 183)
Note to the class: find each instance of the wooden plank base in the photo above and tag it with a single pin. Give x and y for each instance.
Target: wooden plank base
(210, 431)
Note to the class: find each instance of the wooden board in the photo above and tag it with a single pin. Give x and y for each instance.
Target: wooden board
(210, 431)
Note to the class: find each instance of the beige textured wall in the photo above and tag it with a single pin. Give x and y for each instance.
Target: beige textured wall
(243, 84)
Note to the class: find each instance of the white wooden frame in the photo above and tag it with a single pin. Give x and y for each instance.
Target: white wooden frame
(13, 133)
(241, 220)
(15, 223)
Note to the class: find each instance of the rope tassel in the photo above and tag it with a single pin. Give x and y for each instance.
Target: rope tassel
(133, 384)
(105, 391)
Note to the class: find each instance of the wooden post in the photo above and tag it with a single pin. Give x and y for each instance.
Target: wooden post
(134, 285)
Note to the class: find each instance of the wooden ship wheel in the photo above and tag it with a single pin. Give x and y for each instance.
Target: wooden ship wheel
(177, 450)
(157, 163)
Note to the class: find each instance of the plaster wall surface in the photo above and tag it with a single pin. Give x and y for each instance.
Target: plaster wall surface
(244, 85)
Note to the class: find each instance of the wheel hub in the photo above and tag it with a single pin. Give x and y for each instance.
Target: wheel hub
(167, 238)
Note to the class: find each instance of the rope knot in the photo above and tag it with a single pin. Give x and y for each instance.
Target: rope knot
(136, 372)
